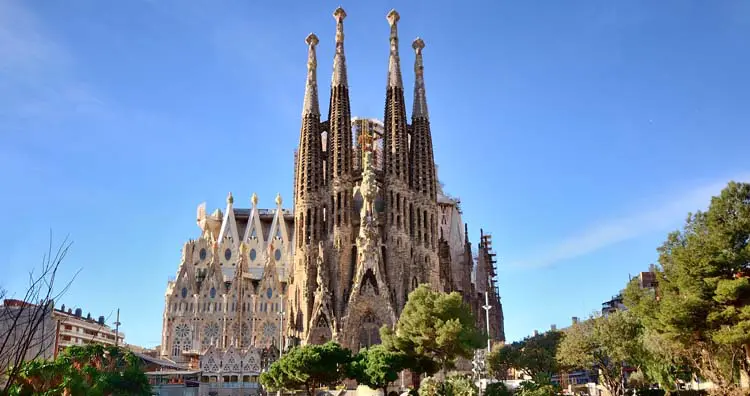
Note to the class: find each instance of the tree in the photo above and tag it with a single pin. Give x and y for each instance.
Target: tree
(533, 356)
(607, 344)
(377, 367)
(433, 330)
(83, 370)
(26, 328)
(663, 360)
(703, 303)
(456, 385)
(308, 367)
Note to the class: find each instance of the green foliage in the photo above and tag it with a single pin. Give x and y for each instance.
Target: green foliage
(497, 389)
(433, 328)
(541, 386)
(84, 370)
(376, 367)
(607, 344)
(532, 356)
(308, 367)
(456, 385)
(703, 308)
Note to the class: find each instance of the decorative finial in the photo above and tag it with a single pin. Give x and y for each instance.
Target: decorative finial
(312, 40)
(339, 14)
(254, 199)
(393, 17)
(230, 199)
(418, 44)
(278, 199)
(243, 248)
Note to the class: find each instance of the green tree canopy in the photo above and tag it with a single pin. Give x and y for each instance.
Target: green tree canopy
(376, 367)
(308, 367)
(433, 327)
(456, 385)
(607, 344)
(84, 370)
(532, 356)
(702, 306)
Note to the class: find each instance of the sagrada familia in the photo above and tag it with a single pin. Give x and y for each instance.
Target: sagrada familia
(369, 223)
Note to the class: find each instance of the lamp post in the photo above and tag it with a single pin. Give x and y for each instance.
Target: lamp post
(487, 308)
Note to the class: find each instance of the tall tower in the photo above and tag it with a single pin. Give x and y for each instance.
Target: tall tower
(308, 200)
(422, 181)
(339, 170)
(397, 197)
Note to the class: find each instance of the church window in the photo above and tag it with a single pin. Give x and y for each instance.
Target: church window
(191, 307)
(184, 292)
(252, 252)
(203, 254)
(414, 283)
(213, 292)
(176, 349)
(269, 293)
(277, 254)
(228, 254)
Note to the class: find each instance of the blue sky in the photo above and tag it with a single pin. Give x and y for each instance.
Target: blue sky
(578, 133)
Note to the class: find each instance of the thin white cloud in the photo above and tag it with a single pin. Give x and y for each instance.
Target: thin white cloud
(663, 215)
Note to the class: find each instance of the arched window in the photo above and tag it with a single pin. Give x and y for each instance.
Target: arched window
(414, 283)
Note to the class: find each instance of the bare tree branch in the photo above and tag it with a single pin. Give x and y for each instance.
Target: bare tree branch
(27, 329)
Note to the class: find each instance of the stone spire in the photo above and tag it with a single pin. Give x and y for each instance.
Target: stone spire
(309, 167)
(423, 174)
(339, 59)
(395, 145)
(420, 99)
(311, 105)
(394, 64)
(339, 142)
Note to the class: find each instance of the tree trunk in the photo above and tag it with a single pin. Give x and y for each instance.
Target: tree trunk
(415, 380)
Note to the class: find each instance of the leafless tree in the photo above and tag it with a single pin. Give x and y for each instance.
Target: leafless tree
(27, 330)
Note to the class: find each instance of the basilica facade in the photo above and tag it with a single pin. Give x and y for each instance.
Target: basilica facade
(369, 223)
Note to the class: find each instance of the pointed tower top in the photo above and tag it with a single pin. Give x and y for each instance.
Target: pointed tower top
(230, 199)
(394, 64)
(311, 105)
(339, 14)
(254, 199)
(278, 199)
(420, 98)
(339, 60)
(393, 17)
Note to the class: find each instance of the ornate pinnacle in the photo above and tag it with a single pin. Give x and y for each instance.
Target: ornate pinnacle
(339, 60)
(420, 98)
(339, 14)
(310, 105)
(394, 65)
(254, 199)
(278, 199)
(393, 17)
(312, 40)
(230, 199)
(418, 44)
(243, 248)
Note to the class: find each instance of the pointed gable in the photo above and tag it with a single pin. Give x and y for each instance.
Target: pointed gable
(229, 224)
(255, 241)
(278, 236)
